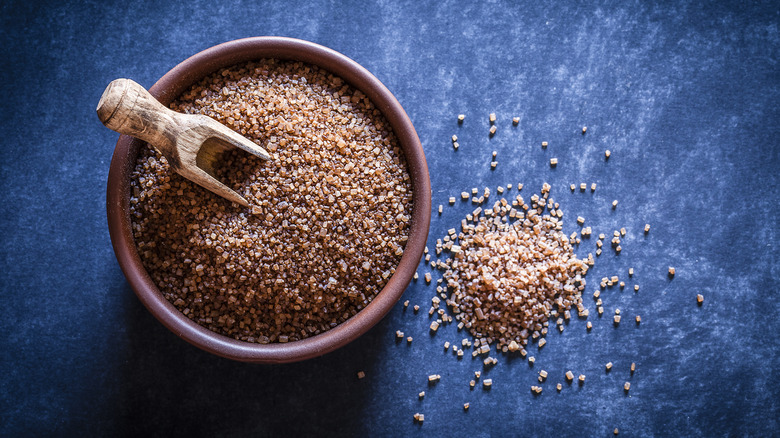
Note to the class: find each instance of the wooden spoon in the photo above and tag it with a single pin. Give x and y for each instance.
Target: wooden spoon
(190, 142)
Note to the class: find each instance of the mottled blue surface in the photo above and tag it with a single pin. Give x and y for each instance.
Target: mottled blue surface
(685, 95)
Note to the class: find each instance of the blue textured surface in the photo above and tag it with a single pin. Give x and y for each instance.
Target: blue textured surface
(685, 95)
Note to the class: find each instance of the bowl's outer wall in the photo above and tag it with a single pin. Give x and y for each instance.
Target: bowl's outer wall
(179, 79)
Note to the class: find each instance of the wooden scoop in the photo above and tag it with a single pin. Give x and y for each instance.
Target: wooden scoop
(190, 142)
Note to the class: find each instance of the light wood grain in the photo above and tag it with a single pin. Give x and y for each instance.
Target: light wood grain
(191, 143)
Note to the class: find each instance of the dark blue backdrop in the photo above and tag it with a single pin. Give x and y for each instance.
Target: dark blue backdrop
(684, 94)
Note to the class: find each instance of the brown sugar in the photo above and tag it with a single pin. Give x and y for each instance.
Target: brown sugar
(330, 212)
(509, 275)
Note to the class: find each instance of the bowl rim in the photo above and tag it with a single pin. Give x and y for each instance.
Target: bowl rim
(186, 74)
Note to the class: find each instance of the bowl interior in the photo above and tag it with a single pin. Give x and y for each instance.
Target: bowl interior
(181, 78)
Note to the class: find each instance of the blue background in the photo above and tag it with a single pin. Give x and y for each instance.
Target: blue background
(684, 94)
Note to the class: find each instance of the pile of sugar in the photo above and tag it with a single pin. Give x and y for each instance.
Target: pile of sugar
(511, 270)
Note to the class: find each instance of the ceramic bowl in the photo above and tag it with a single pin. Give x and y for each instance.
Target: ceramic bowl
(182, 77)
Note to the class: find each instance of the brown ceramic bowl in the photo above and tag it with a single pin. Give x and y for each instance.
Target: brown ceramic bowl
(179, 79)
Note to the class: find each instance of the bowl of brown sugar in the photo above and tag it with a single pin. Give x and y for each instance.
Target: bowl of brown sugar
(337, 222)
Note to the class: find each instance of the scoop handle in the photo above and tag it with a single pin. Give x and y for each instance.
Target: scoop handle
(127, 108)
